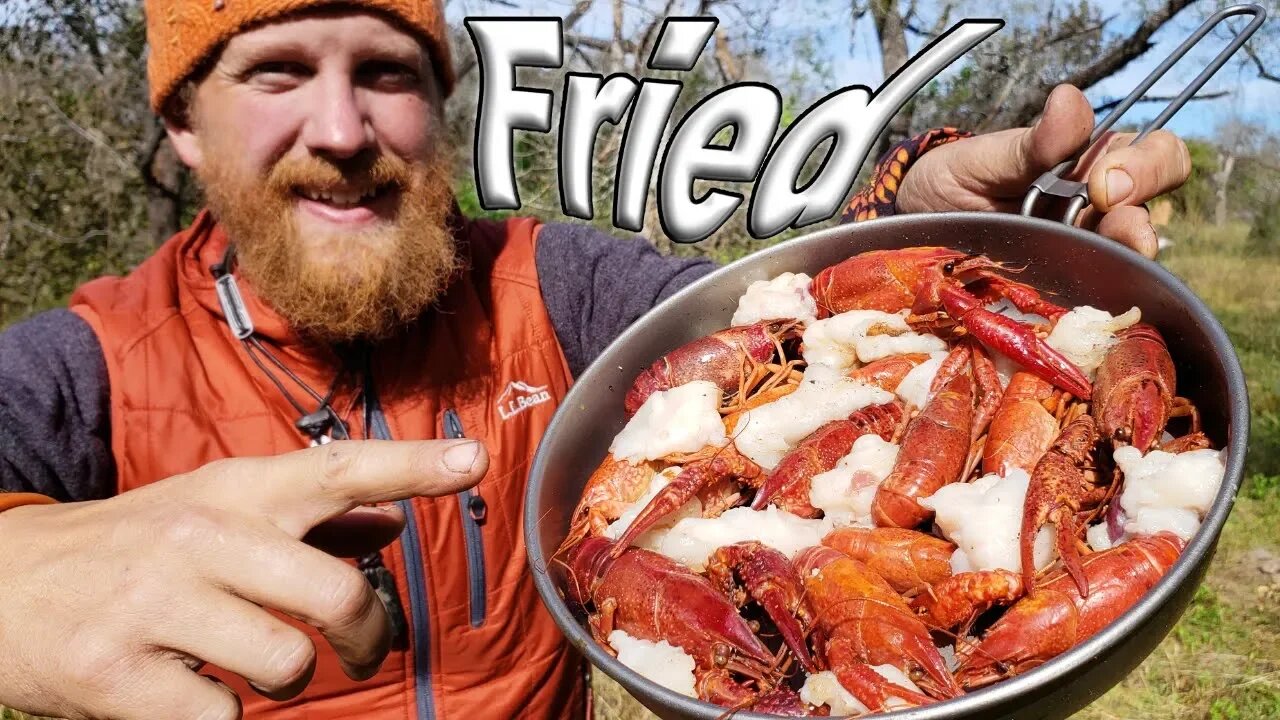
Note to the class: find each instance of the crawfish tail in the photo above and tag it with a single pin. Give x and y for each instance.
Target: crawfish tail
(781, 700)
(932, 454)
(717, 358)
(1057, 487)
(888, 373)
(908, 560)
(1022, 429)
(959, 599)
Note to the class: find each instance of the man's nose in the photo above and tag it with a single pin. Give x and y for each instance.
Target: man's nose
(338, 126)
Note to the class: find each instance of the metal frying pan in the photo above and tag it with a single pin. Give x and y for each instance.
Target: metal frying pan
(1079, 267)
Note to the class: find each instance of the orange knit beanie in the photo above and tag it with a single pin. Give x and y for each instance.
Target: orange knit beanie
(182, 34)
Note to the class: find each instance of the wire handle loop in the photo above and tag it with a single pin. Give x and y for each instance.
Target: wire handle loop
(1052, 183)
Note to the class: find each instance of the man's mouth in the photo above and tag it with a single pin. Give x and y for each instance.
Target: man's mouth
(348, 205)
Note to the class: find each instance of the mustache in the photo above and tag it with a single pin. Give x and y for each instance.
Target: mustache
(362, 173)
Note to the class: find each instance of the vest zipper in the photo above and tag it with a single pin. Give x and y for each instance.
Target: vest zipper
(415, 571)
(473, 510)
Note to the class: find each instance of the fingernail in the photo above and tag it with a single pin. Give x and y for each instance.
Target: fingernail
(1119, 185)
(462, 457)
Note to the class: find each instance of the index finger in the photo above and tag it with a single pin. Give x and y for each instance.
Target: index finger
(299, 490)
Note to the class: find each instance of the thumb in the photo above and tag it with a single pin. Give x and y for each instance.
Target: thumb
(1009, 161)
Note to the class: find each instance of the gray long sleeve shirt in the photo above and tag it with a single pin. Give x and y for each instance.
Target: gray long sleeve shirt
(55, 418)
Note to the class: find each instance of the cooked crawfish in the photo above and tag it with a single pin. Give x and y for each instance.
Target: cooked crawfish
(1023, 427)
(610, 489)
(888, 373)
(1135, 388)
(652, 597)
(724, 463)
(958, 600)
(932, 279)
(719, 358)
(1060, 486)
(910, 561)
(788, 485)
(939, 441)
(1056, 617)
(866, 623)
(771, 580)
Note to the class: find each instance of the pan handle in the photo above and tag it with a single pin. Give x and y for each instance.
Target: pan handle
(1051, 183)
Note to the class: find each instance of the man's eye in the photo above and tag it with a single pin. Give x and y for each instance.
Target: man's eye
(392, 73)
(278, 70)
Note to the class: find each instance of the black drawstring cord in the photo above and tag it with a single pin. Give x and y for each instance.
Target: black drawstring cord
(314, 425)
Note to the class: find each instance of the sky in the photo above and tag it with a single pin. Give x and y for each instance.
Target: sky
(854, 57)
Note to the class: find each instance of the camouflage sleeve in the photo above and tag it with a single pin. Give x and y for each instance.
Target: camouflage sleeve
(879, 197)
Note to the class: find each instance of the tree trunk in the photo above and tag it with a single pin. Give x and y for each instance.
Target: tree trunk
(1226, 163)
(891, 28)
(164, 211)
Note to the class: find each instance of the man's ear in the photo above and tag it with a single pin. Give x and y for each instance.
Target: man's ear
(182, 134)
(185, 144)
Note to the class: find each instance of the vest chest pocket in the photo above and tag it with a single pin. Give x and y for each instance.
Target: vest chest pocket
(473, 510)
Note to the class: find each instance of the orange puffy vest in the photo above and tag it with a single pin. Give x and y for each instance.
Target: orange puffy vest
(185, 393)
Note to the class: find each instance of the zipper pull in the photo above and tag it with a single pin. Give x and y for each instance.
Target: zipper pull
(452, 425)
(477, 509)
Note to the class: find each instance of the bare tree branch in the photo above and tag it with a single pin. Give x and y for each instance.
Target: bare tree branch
(1262, 69)
(576, 13)
(93, 137)
(1104, 107)
(1111, 60)
(1123, 52)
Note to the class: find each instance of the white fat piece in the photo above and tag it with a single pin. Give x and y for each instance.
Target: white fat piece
(914, 388)
(663, 663)
(785, 296)
(1098, 537)
(984, 519)
(845, 493)
(860, 336)
(660, 480)
(767, 433)
(683, 419)
(824, 688)
(1168, 491)
(1085, 334)
(692, 540)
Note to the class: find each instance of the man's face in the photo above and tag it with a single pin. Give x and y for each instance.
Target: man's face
(318, 143)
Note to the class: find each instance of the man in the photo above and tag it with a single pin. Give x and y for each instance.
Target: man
(170, 415)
